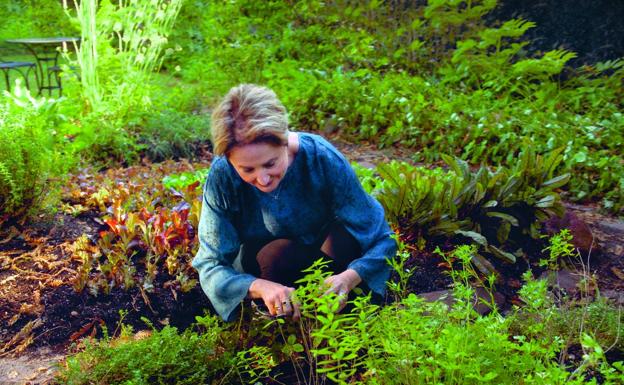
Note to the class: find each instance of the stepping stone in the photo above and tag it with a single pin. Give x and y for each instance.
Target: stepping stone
(446, 296)
(616, 296)
(582, 236)
(564, 280)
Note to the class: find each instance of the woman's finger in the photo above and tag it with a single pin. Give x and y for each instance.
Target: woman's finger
(287, 308)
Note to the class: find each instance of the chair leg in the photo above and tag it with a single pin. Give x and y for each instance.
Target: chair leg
(26, 78)
(7, 80)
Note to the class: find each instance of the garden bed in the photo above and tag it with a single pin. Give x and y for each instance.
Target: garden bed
(41, 309)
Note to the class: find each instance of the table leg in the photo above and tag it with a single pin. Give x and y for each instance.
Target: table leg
(43, 59)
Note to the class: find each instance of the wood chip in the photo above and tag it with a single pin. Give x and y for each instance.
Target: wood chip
(618, 272)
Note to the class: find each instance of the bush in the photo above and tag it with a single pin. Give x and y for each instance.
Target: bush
(35, 153)
(163, 357)
(501, 211)
(29, 18)
(171, 134)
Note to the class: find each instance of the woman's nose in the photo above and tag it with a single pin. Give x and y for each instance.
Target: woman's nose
(264, 179)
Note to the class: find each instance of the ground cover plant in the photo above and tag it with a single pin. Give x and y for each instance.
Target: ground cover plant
(433, 78)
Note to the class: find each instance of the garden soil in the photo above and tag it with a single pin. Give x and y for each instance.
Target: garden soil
(42, 318)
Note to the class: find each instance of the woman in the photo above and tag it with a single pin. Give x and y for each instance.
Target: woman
(274, 202)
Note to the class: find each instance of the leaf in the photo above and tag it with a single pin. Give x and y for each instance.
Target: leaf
(508, 257)
(580, 157)
(490, 203)
(557, 182)
(502, 233)
(547, 201)
(503, 216)
(480, 239)
(483, 265)
(510, 187)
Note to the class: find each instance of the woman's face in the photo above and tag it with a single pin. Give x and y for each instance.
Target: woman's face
(262, 165)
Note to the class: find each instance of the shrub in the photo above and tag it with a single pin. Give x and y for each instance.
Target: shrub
(164, 356)
(35, 153)
(500, 211)
(171, 134)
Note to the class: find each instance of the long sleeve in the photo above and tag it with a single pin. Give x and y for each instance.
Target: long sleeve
(218, 246)
(362, 216)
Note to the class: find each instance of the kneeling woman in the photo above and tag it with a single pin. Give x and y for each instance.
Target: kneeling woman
(275, 201)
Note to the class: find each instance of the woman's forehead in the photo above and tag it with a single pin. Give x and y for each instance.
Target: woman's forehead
(254, 154)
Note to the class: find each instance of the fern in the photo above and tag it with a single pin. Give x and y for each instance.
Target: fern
(548, 65)
(31, 156)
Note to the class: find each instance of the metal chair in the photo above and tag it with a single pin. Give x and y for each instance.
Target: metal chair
(23, 68)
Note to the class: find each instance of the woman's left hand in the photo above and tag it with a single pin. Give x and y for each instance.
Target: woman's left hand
(342, 284)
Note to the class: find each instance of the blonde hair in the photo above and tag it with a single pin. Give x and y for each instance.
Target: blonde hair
(248, 114)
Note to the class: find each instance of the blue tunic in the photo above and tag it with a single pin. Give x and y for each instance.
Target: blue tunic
(318, 187)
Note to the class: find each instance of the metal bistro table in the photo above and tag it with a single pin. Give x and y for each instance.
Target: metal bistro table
(46, 52)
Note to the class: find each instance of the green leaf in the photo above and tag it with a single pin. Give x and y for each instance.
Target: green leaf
(483, 265)
(557, 182)
(480, 239)
(547, 201)
(490, 203)
(503, 216)
(580, 157)
(508, 257)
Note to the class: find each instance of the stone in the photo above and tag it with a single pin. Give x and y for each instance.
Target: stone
(614, 295)
(582, 236)
(446, 296)
(564, 281)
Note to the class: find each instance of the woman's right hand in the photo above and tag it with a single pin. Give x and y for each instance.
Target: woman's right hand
(276, 297)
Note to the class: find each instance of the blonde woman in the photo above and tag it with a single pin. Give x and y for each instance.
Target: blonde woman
(275, 201)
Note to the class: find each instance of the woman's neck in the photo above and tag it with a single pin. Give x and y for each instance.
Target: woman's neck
(293, 146)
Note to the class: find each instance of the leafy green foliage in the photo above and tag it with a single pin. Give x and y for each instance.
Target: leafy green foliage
(160, 357)
(34, 153)
(171, 134)
(30, 18)
(500, 211)
(433, 77)
(408, 342)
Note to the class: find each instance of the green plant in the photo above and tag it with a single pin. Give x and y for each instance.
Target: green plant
(171, 135)
(499, 211)
(35, 153)
(560, 247)
(436, 78)
(33, 18)
(398, 264)
(122, 45)
(408, 342)
(160, 356)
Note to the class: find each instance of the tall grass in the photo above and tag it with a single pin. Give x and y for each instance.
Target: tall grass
(87, 53)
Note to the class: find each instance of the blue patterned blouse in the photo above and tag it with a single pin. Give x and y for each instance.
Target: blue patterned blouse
(319, 186)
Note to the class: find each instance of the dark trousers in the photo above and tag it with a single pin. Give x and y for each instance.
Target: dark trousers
(282, 260)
